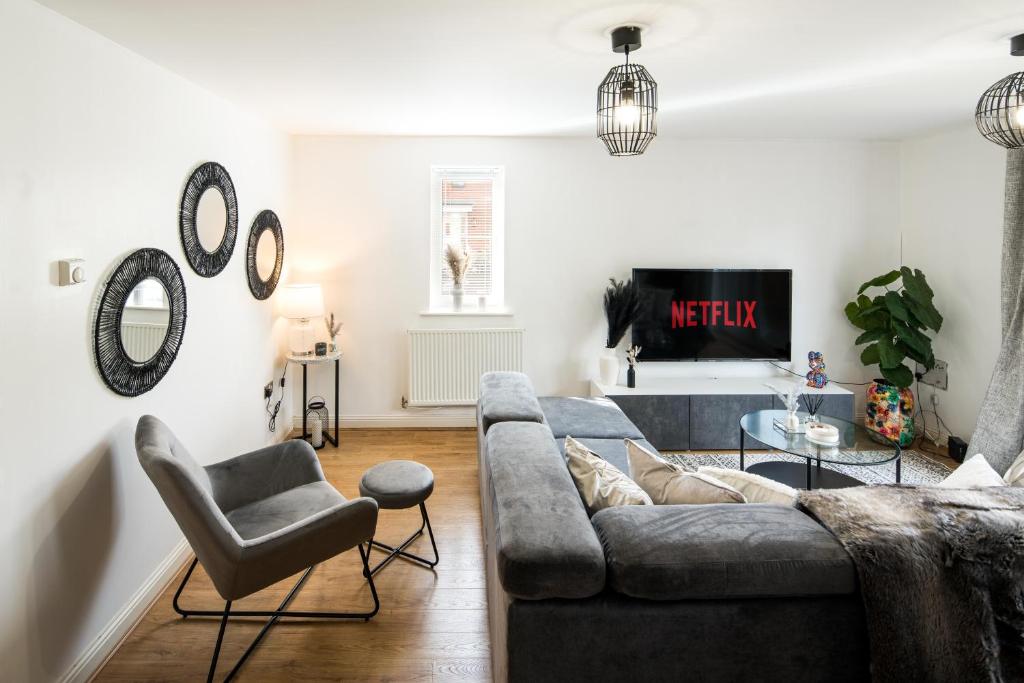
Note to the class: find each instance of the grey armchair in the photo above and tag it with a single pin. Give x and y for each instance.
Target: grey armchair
(254, 520)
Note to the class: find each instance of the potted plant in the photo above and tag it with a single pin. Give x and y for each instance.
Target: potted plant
(458, 261)
(621, 307)
(895, 323)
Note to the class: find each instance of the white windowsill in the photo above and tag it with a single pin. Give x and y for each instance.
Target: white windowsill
(497, 311)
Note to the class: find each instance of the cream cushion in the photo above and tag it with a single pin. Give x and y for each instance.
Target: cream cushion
(1015, 475)
(975, 473)
(600, 483)
(754, 487)
(669, 484)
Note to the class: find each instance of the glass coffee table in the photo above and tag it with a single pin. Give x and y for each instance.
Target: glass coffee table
(857, 446)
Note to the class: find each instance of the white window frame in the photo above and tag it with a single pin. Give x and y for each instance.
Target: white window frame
(496, 299)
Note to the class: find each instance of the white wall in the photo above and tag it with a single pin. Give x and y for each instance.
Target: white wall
(95, 147)
(952, 214)
(575, 217)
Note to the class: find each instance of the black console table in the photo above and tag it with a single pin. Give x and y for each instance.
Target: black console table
(305, 362)
(689, 414)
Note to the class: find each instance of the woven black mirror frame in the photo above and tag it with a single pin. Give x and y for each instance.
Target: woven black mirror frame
(208, 175)
(122, 374)
(266, 220)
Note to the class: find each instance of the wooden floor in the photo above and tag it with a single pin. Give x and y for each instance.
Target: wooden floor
(432, 625)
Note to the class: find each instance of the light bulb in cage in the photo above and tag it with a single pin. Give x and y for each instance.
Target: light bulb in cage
(627, 114)
(1000, 111)
(627, 101)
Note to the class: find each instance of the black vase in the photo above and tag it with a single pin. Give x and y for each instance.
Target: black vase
(631, 377)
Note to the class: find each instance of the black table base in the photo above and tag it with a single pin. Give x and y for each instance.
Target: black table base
(803, 476)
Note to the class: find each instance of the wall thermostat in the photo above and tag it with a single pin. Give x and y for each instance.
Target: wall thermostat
(71, 271)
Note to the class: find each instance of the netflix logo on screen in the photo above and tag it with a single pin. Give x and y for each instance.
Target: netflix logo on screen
(710, 313)
(713, 314)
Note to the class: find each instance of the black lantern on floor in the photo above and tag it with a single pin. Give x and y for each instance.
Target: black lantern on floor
(1000, 111)
(627, 101)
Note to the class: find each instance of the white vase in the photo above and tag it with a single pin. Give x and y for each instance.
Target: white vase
(609, 364)
(457, 297)
(792, 422)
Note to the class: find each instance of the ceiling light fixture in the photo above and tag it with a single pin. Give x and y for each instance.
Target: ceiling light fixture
(1000, 111)
(627, 101)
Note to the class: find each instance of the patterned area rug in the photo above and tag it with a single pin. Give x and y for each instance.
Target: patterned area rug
(918, 468)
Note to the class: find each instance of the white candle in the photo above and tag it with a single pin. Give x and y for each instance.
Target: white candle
(316, 430)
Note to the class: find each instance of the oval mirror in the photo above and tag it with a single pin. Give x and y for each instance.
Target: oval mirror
(266, 255)
(211, 219)
(208, 219)
(144, 320)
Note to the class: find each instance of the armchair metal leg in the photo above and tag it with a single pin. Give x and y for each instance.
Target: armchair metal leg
(220, 639)
(273, 615)
(400, 550)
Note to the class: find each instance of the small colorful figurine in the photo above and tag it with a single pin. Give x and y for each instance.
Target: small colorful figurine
(816, 377)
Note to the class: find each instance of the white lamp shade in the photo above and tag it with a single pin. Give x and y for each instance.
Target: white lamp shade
(302, 301)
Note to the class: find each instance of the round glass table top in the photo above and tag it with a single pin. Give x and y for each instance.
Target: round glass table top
(857, 445)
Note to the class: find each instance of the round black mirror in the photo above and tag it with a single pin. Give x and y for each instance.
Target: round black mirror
(140, 322)
(208, 219)
(264, 254)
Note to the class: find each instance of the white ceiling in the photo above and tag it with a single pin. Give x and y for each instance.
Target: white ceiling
(725, 68)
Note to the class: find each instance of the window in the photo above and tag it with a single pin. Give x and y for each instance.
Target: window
(467, 209)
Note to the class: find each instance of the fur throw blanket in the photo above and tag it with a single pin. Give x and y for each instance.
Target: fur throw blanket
(941, 575)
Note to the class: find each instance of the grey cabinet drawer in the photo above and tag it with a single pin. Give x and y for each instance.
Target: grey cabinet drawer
(715, 419)
(664, 420)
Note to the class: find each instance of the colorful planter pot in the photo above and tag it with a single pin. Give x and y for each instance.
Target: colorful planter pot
(890, 412)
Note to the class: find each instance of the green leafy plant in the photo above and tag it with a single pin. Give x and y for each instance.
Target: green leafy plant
(895, 324)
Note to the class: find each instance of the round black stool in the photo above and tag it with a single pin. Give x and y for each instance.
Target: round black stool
(398, 485)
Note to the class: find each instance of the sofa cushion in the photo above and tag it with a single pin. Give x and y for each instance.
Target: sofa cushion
(612, 450)
(545, 545)
(600, 483)
(680, 552)
(595, 418)
(507, 397)
(669, 484)
(754, 487)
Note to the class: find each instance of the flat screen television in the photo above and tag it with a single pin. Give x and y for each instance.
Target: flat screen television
(713, 315)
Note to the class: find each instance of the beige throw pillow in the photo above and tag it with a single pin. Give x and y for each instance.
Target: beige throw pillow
(975, 473)
(600, 483)
(754, 487)
(669, 484)
(1015, 475)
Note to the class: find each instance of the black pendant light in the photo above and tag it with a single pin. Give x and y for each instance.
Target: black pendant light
(1000, 111)
(627, 101)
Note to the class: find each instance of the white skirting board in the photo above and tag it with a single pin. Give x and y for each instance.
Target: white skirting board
(104, 644)
(449, 418)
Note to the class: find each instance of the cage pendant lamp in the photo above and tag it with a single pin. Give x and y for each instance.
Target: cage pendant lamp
(627, 101)
(1000, 111)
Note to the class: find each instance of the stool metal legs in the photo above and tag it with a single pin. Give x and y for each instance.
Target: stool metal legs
(273, 614)
(400, 551)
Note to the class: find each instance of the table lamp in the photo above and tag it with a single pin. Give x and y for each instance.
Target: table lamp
(299, 304)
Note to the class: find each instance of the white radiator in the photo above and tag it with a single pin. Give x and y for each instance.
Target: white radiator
(445, 365)
(142, 340)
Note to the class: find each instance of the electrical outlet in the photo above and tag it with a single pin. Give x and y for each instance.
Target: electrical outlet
(937, 377)
(268, 390)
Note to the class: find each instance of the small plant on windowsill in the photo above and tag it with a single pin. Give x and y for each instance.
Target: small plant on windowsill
(621, 308)
(458, 261)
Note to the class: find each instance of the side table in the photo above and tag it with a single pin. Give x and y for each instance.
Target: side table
(305, 362)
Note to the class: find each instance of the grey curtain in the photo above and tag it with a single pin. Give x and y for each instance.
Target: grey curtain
(999, 435)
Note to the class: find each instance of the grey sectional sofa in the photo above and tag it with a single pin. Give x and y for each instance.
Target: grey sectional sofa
(674, 592)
